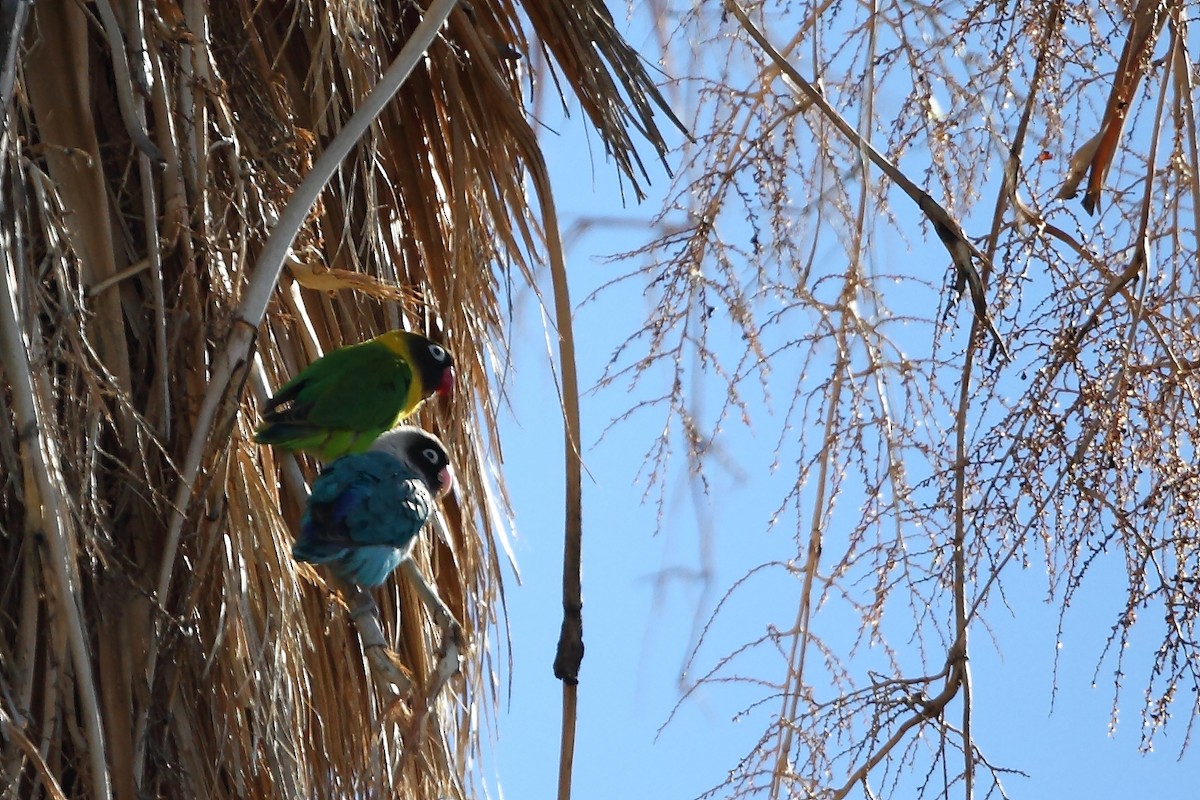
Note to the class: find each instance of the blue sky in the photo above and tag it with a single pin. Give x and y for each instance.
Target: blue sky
(647, 586)
(643, 592)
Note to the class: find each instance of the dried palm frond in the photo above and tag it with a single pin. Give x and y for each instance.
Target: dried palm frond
(148, 152)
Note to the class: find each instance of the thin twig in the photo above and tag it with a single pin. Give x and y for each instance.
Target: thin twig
(23, 664)
(117, 277)
(962, 252)
(365, 616)
(928, 710)
(13, 14)
(162, 229)
(1185, 91)
(568, 656)
(800, 632)
(11, 731)
(124, 84)
(450, 659)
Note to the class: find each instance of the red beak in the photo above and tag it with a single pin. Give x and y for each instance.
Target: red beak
(446, 387)
(445, 481)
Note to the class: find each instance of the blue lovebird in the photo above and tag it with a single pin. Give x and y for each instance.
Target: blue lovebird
(366, 509)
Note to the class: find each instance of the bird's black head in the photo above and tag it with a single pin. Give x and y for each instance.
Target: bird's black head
(423, 452)
(434, 363)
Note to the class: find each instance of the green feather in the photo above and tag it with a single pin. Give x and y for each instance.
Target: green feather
(341, 402)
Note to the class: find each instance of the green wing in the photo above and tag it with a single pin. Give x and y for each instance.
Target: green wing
(340, 402)
(362, 387)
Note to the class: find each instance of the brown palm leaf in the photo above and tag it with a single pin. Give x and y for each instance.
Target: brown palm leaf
(155, 648)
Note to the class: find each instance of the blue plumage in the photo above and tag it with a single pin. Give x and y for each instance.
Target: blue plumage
(365, 509)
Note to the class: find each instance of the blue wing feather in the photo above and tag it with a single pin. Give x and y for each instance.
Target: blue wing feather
(362, 517)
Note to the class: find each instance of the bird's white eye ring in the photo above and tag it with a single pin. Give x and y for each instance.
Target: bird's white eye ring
(438, 352)
(431, 455)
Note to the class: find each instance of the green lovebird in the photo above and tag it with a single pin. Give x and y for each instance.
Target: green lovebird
(345, 399)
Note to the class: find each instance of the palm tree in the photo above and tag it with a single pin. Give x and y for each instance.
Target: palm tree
(157, 640)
